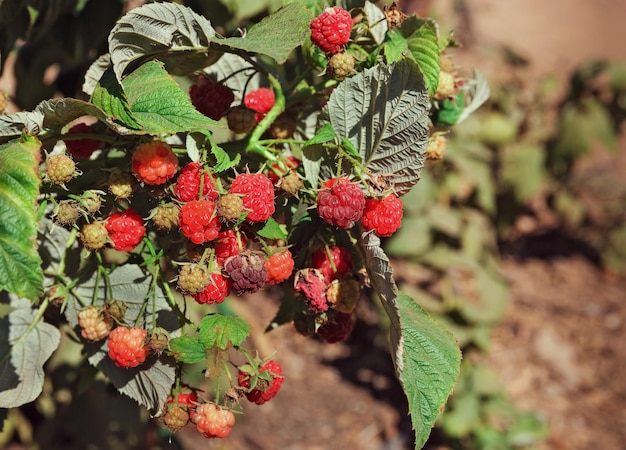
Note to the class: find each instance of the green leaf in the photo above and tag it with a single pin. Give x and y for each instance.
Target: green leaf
(312, 157)
(383, 112)
(188, 349)
(273, 230)
(423, 45)
(276, 35)
(450, 111)
(396, 46)
(170, 32)
(25, 346)
(221, 331)
(159, 104)
(223, 160)
(324, 134)
(20, 264)
(376, 22)
(426, 356)
(109, 96)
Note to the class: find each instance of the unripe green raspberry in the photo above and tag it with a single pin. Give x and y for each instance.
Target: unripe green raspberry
(60, 168)
(175, 418)
(446, 87)
(436, 147)
(91, 201)
(66, 213)
(121, 183)
(291, 183)
(165, 216)
(94, 235)
(158, 341)
(230, 207)
(340, 65)
(241, 120)
(193, 278)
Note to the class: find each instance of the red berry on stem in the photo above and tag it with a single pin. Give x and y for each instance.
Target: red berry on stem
(215, 292)
(227, 245)
(330, 31)
(383, 216)
(210, 98)
(261, 101)
(258, 195)
(213, 421)
(154, 162)
(267, 382)
(126, 230)
(337, 329)
(340, 204)
(127, 346)
(81, 148)
(187, 187)
(333, 262)
(198, 221)
(279, 266)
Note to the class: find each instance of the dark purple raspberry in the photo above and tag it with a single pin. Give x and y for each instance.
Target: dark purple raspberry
(247, 272)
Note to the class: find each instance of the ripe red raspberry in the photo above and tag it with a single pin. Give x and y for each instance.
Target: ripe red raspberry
(261, 101)
(210, 98)
(81, 148)
(340, 202)
(258, 195)
(94, 235)
(230, 207)
(227, 244)
(121, 183)
(154, 162)
(94, 326)
(187, 187)
(241, 120)
(193, 278)
(337, 329)
(277, 171)
(246, 271)
(330, 31)
(198, 221)
(165, 216)
(128, 347)
(266, 382)
(336, 266)
(383, 216)
(279, 266)
(213, 421)
(215, 292)
(60, 168)
(340, 65)
(310, 283)
(342, 295)
(126, 230)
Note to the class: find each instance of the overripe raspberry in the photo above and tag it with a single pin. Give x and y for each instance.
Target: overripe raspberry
(333, 262)
(66, 213)
(60, 168)
(343, 294)
(193, 278)
(127, 346)
(94, 235)
(246, 271)
(187, 187)
(277, 171)
(264, 385)
(94, 325)
(230, 207)
(436, 148)
(198, 221)
(330, 31)
(126, 230)
(154, 163)
(81, 148)
(121, 183)
(228, 244)
(258, 195)
(337, 329)
(310, 283)
(279, 266)
(213, 421)
(215, 292)
(210, 98)
(340, 202)
(165, 216)
(284, 126)
(340, 65)
(241, 120)
(383, 216)
(116, 310)
(260, 100)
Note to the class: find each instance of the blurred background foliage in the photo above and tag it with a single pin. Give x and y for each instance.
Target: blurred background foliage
(509, 182)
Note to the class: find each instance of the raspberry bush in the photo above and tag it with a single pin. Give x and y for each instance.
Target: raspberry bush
(217, 171)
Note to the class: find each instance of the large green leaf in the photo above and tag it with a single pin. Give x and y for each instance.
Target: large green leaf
(24, 348)
(20, 265)
(221, 331)
(423, 45)
(276, 35)
(426, 356)
(159, 104)
(383, 112)
(170, 32)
